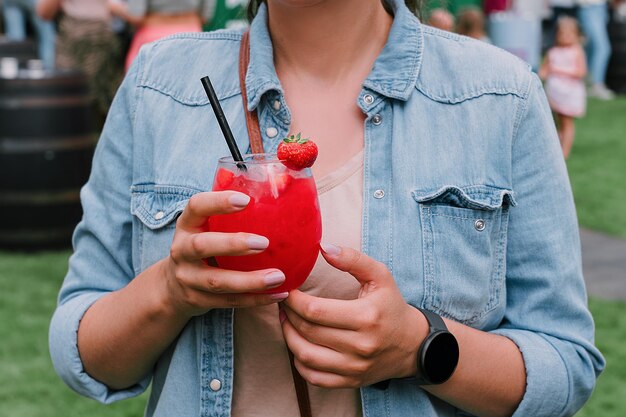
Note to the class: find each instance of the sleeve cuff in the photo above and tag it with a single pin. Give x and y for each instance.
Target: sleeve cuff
(63, 339)
(547, 386)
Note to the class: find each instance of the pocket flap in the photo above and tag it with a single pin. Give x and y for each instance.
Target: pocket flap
(156, 205)
(481, 197)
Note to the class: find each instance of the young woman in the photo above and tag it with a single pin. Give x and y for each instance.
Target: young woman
(456, 205)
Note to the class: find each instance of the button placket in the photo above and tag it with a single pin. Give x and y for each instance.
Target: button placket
(271, 132)
(215, 385)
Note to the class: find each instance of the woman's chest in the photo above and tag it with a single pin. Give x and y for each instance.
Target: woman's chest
(435, 192)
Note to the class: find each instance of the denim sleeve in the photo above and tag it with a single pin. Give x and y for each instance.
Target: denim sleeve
(547, 315)
(102, 260)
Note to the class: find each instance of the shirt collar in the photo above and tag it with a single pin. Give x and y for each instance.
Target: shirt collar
(394, 73)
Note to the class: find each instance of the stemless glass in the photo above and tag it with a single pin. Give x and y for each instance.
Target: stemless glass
(283, 207)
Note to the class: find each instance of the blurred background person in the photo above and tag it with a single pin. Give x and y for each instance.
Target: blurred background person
(619, 10)
(564, 70)
(16, 14)
(471, 22)
(156, 19)
(441, 19)
(494, 6)
(563, 7)
(87, 43)
(593, 16)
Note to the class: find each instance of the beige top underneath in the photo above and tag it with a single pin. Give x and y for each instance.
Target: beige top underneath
(263, 383)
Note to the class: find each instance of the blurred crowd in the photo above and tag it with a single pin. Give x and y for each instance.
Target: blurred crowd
(102, 37)
(566, 41)
(536, 22)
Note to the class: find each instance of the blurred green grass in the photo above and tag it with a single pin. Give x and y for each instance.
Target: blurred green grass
(29, 284)
(29, 387)
(597, 167)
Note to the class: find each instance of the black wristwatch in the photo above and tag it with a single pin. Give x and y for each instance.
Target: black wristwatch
(438, 355)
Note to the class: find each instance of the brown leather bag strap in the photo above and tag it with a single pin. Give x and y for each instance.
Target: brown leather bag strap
(256, 146)
(252, 120)
(302, 391)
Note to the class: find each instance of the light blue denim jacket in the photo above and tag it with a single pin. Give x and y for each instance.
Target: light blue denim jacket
(465, 199)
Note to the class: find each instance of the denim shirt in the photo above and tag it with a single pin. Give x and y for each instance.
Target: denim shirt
(465, 199)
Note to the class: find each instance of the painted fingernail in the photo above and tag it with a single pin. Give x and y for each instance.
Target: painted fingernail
(239, 200)
(279, 297)
(274, 279)
(257, 242)
(330, 249)
(282, 316)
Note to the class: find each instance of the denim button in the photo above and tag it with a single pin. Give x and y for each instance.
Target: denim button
(479, 225)
(271, 132)
(368, 99)
(377, 119)
(276, 105)
(159, 215)
(215, 384)
(378, 194)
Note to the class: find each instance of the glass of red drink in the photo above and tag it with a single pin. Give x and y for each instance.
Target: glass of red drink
(283, 207)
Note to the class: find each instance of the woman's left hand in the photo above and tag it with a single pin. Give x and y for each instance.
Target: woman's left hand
(352, 343)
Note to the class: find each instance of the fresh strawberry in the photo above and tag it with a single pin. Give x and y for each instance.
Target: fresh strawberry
(224, 178)
(297, 153)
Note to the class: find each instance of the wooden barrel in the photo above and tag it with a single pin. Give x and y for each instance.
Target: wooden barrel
(616, 72)
(47, 139)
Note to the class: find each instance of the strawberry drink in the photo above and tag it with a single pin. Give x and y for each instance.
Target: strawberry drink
(283, 207)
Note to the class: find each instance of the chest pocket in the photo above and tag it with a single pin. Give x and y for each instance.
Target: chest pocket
(464, 247)
(155, 209)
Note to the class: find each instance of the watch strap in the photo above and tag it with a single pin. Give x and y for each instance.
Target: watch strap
(435, 322)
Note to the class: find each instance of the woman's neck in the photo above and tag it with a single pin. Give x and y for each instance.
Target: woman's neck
(328, 40)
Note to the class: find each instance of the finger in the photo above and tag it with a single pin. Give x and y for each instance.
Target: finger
(223, 281)
(340, 314)
(325, 379)
(340, 340)
(357, 264)
(203, 205)
(205, 300)
(204, 245)
(320, 358)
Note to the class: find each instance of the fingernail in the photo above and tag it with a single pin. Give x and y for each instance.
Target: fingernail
(282, 316)
(330, 249)
(258, 242)
(274, 279)
(280, 296)
(239, 200)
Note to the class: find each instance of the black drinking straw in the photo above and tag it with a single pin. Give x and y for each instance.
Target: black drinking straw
(221, 120)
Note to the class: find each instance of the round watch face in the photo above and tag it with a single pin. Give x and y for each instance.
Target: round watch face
(440, 357)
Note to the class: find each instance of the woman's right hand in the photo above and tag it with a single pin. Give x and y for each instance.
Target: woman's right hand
(194, 284)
